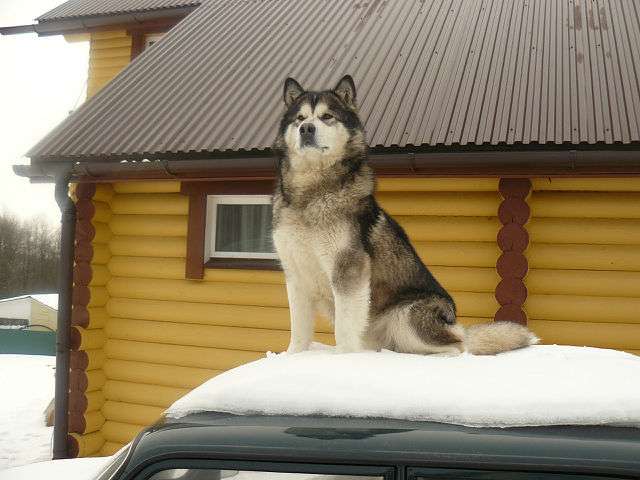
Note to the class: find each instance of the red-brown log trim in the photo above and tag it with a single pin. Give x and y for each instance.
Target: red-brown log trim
(82, 275)
(513, 239)
(73, 449)
(197, 222)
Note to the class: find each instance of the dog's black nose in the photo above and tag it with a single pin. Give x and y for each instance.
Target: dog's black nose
(307, 129)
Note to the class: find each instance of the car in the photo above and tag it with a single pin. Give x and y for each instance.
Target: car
(214, 446)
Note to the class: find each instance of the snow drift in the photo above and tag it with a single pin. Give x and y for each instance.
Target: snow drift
(535, 386)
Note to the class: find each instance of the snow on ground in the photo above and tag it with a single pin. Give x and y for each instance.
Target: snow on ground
(538, 385)
(26, 388)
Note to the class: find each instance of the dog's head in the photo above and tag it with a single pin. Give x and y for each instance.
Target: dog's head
(321, 128)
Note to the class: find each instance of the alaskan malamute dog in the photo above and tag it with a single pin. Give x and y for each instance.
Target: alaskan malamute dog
(345, 257)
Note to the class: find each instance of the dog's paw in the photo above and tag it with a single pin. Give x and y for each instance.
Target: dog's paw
(297, 348)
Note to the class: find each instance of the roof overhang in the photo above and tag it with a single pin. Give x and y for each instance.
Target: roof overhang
(90, 23)
(490, 163)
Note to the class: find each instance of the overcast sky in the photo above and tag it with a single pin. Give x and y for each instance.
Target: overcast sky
(42, 79)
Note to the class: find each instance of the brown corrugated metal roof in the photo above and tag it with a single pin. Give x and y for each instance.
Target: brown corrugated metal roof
(428, 72)
(86, 8)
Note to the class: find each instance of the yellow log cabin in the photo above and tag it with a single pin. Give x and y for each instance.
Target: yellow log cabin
(520, 192)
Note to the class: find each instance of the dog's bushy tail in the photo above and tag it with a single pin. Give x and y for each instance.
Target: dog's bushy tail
(497, 337)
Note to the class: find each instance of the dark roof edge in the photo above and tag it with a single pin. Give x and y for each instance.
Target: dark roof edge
(540, 163)
(83, 24)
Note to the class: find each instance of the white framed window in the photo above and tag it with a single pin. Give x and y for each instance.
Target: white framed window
(238, 226)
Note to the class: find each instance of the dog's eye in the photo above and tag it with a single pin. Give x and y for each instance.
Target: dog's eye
(301, 118)
(326, 116)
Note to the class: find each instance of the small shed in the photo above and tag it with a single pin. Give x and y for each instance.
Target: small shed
(36, 312)
(505, 135)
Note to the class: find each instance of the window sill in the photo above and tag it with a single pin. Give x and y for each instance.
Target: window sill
(244, 263)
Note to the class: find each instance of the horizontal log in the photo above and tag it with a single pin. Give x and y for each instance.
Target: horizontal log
(155, 186)
(460, 254)
(585, 204)
(81, 381)
(627, 184)
(200, 313)
(468, 321)
(232, 338)
(88, 444)
(471, 304)
(104, 193)
(149, 246)
(83, 339)
(98, 37)
(600, 231)
(119, 41)
(102, 212)
(116, 59)
(87, 359)
(110, 448)
(93, 421)
(98, 297)
(584, 282)
(117, 47)
(99, 275)
(620, 336)
(149, 225)
(121, 433)
(446, 229)
(98, 316)
(156, 374)
(437, 184)
(150, 204)
(179, 355)
(465, 279)
(584, 257)
(466, 204)
(87, 402)
(174, 268)
(131, 413)
(583, 308)
(142, 394)
(101, 254)
(194, 291)
(102, 233)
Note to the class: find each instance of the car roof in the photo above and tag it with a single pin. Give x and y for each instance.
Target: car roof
(383, 442)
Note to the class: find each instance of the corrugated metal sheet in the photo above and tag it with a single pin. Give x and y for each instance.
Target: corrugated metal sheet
(85, 8)
(428, 72)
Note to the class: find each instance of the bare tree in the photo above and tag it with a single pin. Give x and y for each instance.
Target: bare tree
(29, 251)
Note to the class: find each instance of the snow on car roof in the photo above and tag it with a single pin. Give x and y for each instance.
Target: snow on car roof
(536, 386)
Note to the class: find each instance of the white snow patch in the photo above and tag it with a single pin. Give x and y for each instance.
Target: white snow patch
(27, 387)
(70, 469)
(539, 385)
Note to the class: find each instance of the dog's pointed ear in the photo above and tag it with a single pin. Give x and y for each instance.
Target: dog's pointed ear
(346, 90)
(292, 90)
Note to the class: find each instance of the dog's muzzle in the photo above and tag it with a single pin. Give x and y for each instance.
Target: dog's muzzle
(307, 134)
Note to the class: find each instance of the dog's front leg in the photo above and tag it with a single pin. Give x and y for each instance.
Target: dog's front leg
(351, 289)
(302, 319)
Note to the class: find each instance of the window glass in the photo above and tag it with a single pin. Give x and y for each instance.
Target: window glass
(207, 474)
(239, 226)
(243, 228)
